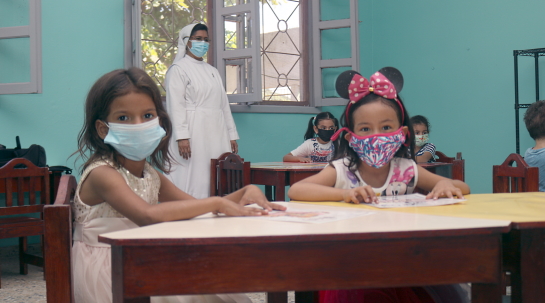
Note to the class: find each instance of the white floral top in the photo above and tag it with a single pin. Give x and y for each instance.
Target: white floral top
(146, 187)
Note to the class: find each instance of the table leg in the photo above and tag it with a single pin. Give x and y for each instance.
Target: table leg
(117, 279)
(526, 249)
(269, 192)
(277, 297)
(306, 297)
(280, 187)
(486, 293)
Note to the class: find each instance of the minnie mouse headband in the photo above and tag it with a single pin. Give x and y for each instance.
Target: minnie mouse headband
(386, 83)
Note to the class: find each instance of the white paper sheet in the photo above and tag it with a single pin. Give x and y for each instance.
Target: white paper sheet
(292, 214)
(411, 200)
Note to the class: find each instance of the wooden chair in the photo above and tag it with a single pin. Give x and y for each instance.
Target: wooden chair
(22, 182)
(228, 173)
(507, 178)
(58, 243)
(458, 164)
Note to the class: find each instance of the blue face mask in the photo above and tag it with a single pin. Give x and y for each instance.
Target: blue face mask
(198, 48)
(135, 141)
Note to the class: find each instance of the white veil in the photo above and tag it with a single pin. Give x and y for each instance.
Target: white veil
(183, 37)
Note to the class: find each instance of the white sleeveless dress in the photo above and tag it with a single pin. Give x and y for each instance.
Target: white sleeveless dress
(91, 260)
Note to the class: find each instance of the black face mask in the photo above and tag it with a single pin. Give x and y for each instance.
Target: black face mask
(325, 135)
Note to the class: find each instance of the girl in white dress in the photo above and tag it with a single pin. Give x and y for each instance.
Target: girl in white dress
(202, 124)
(125, 123)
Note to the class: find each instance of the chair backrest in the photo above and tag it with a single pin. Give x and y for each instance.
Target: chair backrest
(58, 243)
(458, 164)
(228, 173)
(18, 178)
(507, 178)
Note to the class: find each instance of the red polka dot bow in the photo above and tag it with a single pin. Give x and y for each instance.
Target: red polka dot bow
(380, 85)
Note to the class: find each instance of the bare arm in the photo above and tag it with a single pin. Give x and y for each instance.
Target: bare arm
(291, 158)
(320, 188)
(106, 184)
(440, 186)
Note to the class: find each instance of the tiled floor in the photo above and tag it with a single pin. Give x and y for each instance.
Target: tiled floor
(31, 288)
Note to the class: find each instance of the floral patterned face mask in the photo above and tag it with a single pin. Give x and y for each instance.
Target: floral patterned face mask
(377, 150)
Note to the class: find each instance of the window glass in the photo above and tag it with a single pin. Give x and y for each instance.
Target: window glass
(282, 53)
(239, 73)
(15, 57)
(237, 31)
(329, 76)
(161, 21)
(334, 9)
(335, 43)
(14, 13)
(228, 3)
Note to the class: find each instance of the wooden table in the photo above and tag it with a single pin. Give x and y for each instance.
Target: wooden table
(281, 174)
(523, 246)
(223, 255)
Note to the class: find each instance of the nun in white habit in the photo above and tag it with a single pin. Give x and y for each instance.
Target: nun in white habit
(203, 126)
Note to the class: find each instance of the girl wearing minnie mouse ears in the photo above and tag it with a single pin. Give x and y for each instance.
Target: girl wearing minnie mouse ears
(374, 158)
(376, 141)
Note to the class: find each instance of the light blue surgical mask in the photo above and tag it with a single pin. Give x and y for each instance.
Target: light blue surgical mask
(135, 141)
(198, 48)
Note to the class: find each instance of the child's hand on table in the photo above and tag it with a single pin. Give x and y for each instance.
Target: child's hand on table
(445, 188)
(304, 160)
(360, 194)
(254, 195)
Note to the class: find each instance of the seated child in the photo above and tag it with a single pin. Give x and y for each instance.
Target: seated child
(373, 160)
(125, 126)
(317, 146)
(424, 151)
(534, 118)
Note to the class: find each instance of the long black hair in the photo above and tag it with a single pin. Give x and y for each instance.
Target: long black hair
(314, 121)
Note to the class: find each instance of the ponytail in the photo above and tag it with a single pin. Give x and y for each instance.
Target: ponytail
(309, 134)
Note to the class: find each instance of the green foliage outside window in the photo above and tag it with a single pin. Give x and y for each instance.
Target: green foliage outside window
(161, 21)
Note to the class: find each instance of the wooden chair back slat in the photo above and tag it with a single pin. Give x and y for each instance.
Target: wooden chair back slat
(20, 177)
(520, 178)
(228, 173)
(58, 243)
(458, 164)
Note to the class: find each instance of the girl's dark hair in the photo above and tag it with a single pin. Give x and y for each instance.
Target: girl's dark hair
(106, 89)
(314, 121)
(405, 151)
(418, 119)
(198, 27)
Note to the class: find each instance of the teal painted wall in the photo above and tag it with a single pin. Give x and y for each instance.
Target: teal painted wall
(456, 58)
(77, 48)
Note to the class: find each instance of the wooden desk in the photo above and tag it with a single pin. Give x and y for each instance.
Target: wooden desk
(281, 174)
(523, 246)
(223, 255)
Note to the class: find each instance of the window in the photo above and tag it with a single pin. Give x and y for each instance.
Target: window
(20, 47)
(274, 55)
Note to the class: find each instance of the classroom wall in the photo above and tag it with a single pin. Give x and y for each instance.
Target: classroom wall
(456, 58)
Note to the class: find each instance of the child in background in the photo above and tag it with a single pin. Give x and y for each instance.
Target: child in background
(424, 151)
(317, 146)
(125, 123)
(373, 159)
(534, 118)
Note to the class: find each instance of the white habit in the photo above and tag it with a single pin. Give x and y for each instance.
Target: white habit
(198, 107)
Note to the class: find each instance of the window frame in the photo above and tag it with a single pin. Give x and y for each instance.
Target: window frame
(311, 17)
(33, 31)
